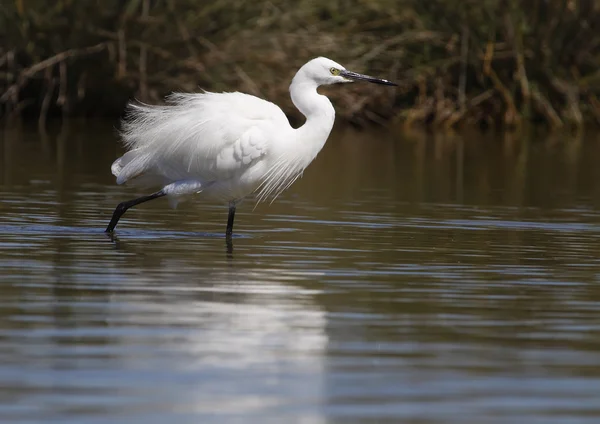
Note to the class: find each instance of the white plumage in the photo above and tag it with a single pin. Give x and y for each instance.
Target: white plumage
(227, 145)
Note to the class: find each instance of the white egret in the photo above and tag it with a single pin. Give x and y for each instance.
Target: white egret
(227, 145)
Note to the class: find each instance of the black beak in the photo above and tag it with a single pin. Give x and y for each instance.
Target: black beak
(359, 77)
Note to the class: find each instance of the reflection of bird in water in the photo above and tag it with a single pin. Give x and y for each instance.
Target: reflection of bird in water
(238, 341)
(227, 145)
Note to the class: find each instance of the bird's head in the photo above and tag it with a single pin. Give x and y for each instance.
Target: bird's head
(325, 71)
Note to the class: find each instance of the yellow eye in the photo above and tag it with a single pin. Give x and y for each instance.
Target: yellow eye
(334, 71)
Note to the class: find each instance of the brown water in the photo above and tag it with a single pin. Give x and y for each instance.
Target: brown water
(406, 278)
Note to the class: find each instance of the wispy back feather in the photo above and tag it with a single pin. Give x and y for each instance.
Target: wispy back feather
(206, 136)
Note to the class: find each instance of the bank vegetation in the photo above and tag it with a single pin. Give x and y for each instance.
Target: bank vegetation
(489, 63)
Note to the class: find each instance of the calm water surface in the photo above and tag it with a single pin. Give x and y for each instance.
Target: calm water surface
(406, 278)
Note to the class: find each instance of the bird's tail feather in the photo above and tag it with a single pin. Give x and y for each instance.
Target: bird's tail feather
(132, 168)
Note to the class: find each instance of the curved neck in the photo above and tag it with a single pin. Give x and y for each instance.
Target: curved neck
(317, 109)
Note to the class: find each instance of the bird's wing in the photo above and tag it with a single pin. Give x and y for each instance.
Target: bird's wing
(209, 136)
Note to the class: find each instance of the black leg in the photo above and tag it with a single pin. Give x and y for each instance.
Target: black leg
(230, 221)
(122, 208)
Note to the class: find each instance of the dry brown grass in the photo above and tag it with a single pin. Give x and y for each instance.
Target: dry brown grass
(495, 63)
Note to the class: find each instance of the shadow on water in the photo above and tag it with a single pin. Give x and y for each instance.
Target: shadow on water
(407, 277)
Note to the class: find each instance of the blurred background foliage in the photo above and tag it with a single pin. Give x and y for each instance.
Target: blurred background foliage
(492, 63)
